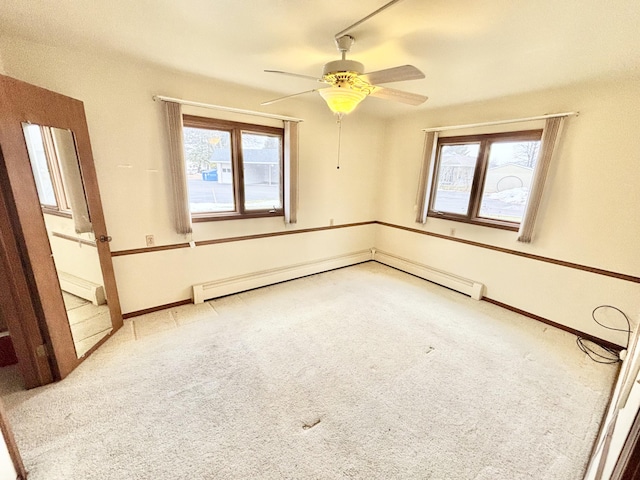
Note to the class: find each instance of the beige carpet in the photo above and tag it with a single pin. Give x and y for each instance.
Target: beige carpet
(359, 373)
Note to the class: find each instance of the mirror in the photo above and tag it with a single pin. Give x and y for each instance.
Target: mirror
(56, 170)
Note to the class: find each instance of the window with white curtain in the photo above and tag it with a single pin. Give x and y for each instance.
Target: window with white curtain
(226, 170)
(494, 180)
(234, 170)
(484, 179)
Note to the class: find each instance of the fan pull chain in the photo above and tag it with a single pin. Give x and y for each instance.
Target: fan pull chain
(339, 138)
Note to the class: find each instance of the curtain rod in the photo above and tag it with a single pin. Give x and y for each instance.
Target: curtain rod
(501, 122)
(226, 109)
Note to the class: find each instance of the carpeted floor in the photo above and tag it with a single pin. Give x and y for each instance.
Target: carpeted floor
(360, 373)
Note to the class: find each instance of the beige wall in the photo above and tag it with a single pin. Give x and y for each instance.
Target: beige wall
(589, 213)
(126, 128)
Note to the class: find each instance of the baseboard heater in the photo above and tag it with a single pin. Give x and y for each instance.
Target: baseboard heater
(241, 283)
(79, 287)
(460, 284)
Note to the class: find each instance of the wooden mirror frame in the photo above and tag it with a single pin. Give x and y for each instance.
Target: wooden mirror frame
(43, 342)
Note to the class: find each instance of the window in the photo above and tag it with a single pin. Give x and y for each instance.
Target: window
(484, 179)
(45, 164)
(234, 170)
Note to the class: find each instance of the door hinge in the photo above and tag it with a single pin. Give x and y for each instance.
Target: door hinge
(42, 351)
(104, 238)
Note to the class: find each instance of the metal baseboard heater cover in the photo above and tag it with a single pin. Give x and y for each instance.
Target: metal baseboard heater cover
(241, 283)
(463, 285)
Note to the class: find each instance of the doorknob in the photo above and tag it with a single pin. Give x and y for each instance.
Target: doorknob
(104, 238)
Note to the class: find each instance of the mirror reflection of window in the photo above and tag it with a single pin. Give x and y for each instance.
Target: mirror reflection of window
(40, 166)
(65, 160)
(54, 162)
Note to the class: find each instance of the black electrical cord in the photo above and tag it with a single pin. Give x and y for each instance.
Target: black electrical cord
(606, 355)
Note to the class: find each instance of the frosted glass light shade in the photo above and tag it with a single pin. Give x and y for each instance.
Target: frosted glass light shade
(342, 100)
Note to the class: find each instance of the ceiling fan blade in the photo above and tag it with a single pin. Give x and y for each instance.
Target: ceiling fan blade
(395, 74)
(398, 96)
(269, 102)
(299, 75)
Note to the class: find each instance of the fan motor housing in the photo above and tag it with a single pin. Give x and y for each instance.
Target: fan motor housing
(343, 66)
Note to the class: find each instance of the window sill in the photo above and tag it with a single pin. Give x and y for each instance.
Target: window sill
(235, 216)
(514, 227)
(57, 213)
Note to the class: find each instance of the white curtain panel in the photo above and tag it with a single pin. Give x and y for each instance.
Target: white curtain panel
(181, 213)
(550, 138)
(290, 172)
(426, 176)
(65, 147)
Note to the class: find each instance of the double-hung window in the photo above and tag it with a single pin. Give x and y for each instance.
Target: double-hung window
(234, 170)
(484, 179)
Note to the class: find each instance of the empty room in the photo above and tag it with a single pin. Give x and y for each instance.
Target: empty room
(285, 239)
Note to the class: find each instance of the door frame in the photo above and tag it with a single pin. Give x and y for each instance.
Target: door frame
(20, 103)
(12, 447)
(25, 334)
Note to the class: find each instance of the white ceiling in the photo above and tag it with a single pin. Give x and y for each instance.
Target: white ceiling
(470, 50)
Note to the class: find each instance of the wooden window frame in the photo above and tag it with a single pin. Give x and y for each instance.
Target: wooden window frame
(236, 129)
(479, 176)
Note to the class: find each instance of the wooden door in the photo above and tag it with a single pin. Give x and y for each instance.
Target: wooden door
(20, 315)
(42, 309)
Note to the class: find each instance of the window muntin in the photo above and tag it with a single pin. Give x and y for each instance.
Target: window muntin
(484, 179)
(234, 170)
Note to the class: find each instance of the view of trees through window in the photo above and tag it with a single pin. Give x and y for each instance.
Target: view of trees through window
(485, 177)
(508, 180)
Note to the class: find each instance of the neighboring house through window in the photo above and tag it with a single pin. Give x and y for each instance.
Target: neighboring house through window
(234, 170)
(484, 179)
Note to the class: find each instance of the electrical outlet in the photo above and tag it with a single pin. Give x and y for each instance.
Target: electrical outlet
(331, 222)
(452, 232)
(151, 241)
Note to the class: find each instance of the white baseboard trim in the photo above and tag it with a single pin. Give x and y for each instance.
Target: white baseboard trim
(460, 284)
(82, 288)
(241, 283)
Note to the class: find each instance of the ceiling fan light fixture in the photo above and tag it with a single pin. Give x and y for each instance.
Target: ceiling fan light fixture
(342, 100)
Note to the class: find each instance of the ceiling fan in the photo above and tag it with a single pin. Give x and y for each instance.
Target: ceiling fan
(348, 84)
